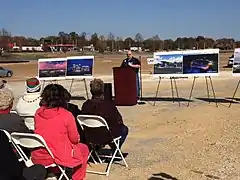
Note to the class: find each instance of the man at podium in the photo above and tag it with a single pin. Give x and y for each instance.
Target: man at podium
(135, 64)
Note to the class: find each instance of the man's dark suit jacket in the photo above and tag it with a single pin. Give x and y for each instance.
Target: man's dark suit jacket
(12, 122)
(108, 111)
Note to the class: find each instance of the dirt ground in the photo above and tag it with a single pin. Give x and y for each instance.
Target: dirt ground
(102, 66)
(199, 142)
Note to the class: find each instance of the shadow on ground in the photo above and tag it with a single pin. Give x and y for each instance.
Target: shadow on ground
(226, 67)
(206, 175)
(233, 99)
(166, 99)
(81, 98)
(218, 100)
(162, 176)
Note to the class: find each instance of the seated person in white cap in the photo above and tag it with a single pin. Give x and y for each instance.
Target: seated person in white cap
(29, 102)
(10, 122)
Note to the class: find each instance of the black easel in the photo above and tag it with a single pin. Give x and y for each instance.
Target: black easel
(51, 81)
(141, 102)
(71, 84)
(173, 86)
(85, 84)
(207, 86)
(234, 94)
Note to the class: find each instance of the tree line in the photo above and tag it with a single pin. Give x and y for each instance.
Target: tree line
(115, 43)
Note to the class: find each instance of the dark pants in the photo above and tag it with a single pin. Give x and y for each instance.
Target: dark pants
(36, 172)
(138, 84)
(124, 133)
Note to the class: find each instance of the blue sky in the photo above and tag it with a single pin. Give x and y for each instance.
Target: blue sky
(167, 18)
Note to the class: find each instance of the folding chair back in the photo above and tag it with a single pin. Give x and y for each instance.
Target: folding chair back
(10, 166)
(29, 121)
(92, 121)
(31, 141)
(93, 125)
(20, 158)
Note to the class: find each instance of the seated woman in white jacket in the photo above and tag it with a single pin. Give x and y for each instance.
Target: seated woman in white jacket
(29, 102)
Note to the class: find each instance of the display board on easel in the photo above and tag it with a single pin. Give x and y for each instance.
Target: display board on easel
(236, 70)
(202, 63)
(190, 63)
(52, 69)
(70, 68)
(168, 65)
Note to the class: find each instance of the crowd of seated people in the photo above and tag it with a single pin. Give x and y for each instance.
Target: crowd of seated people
(38, 112)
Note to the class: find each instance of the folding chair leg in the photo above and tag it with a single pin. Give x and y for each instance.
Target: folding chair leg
(90, 155)
(100, 161)
(63, 173)
(95, 152)
(110, 163)
(117, 143)
(122, 157)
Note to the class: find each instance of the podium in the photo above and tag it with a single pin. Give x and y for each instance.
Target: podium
(108, 92)
(125, 88)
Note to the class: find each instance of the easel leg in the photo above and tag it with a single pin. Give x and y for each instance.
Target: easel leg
(190, 95)
(234, 94)
(43, 84)
(175, 84)
(171, 79)
(214, 95)
(208, 94)
(159, 81)
(85, 84)
(70, 88)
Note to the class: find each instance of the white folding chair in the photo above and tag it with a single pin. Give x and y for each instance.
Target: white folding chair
(31, 141)
(13, 111)
(28, 120)
(13, 144)
(92, 121)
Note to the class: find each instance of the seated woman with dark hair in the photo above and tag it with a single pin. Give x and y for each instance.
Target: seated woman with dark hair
(58, 127)
(105, 109)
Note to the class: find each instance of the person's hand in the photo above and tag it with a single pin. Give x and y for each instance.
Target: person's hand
(130, 64)
(120, 121)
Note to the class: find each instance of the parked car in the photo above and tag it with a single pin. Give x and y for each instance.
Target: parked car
(230, 61)
(236, 66)
(5, 72)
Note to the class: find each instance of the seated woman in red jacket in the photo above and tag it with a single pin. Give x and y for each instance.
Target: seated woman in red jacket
(58, 127)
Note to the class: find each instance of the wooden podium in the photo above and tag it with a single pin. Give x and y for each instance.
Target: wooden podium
(125, 88)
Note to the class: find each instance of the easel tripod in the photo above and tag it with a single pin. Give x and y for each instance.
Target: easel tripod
(234, 93)
(71, 84)
(173, 87)
(207, 86)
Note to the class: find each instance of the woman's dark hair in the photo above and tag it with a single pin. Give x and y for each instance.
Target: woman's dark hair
(55, 95)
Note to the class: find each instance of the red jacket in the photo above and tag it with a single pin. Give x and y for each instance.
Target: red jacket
(58, 127)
